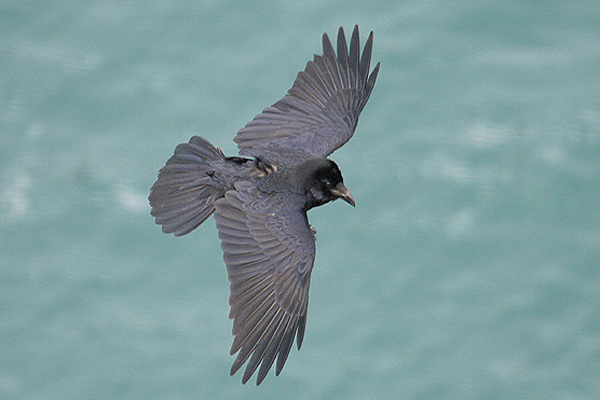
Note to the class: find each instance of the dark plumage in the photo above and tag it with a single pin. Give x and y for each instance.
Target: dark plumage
(260, 198)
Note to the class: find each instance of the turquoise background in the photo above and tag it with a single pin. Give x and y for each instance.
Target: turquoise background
(468, 270)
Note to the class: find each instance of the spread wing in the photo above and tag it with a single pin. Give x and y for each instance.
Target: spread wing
(269, 250)
(320, 112)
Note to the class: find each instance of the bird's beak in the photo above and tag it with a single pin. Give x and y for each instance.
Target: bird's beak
(343, 193)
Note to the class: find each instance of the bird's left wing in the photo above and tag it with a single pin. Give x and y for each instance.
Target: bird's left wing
(269, 250)
(320, 112)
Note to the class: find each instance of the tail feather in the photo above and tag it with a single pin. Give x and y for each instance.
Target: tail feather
(183, 197)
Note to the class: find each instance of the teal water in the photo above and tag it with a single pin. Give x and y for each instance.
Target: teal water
(468, 270)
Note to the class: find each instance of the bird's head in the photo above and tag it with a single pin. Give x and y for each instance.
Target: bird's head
(323, 183)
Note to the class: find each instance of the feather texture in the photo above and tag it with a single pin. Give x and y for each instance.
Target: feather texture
(269, 292)
(320, 112)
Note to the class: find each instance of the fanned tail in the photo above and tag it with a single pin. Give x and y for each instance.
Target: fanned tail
(184, 195)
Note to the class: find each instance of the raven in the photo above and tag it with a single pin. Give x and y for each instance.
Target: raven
(260, 198)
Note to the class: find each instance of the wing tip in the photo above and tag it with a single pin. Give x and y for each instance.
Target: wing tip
(327, 47)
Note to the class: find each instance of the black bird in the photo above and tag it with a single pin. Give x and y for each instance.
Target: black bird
(260, 198)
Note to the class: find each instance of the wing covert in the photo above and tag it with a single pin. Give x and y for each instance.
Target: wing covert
(320, 112)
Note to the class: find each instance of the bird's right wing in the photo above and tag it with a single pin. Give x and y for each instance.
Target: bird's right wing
(269, 250)
(320, 112)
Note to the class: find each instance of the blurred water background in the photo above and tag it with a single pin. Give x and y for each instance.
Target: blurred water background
(468, 270)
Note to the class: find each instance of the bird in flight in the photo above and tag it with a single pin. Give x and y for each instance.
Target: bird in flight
(260, 198)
